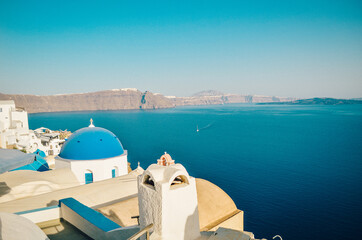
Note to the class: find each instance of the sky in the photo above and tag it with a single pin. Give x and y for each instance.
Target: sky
(277, 48)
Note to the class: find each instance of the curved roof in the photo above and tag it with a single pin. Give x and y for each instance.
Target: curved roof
(40, 153)
(91, 143)
(24, 184)
(10, 228)
(214, 204)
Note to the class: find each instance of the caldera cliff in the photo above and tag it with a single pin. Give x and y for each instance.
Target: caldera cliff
(116, 99)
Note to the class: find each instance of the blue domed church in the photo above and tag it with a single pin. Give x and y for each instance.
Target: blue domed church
(93, 154)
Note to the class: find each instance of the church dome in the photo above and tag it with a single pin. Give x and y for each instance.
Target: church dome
(91, 143)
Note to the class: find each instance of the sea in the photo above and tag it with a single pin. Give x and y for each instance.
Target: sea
(295, 170)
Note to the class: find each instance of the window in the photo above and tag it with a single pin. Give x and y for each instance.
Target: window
(180, 180)
(148, 181)
(88, 177)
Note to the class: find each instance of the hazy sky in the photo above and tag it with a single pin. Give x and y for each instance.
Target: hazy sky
(283, 48)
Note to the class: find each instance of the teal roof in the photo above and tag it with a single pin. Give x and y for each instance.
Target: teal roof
(92, 216)
(13, 160)
(40, 153)
(39, 165)
(91, 143)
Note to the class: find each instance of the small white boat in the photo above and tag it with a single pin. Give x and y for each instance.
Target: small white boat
(197, 128)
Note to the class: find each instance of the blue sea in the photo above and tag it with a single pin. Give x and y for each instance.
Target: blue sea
(295, 170)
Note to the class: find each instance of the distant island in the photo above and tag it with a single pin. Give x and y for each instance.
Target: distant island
(211, 97)
(320, 101)
(132, 98)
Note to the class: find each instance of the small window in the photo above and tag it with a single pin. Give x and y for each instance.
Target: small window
(88, 177)
(148, 181)
(180, 180)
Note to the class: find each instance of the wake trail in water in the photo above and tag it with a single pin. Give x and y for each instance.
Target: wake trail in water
(207, 126)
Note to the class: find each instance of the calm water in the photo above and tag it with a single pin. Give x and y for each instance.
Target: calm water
(296, 171)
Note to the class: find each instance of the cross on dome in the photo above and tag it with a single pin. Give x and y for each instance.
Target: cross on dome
(91, 123)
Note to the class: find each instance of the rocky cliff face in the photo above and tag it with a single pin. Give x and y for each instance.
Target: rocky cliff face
(204, 99)
(116, 99)
(120, 99)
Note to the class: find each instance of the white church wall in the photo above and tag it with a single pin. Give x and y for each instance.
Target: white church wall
(101, 169)
(172, 209)
(180, 209)
(61, 163)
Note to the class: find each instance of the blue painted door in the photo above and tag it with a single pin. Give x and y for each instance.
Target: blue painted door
(88, 178)
(113, 173)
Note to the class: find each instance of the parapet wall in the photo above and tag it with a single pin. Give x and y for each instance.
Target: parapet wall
(87, 220)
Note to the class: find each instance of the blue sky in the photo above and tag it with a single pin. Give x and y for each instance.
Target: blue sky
(281, 48)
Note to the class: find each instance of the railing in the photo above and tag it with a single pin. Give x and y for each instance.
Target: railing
(141, 232)
(138, 219)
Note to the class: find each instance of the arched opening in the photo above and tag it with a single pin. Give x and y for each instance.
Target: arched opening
(88, 175)
(115, 172)
(179, 181)
(148, 181)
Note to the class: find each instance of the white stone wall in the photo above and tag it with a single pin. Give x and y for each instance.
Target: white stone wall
(101, 169)
(21, 117)
(42, 214)
(14, 125)
(172, 209)
(5, 116)
(180, 213)
(61, 163)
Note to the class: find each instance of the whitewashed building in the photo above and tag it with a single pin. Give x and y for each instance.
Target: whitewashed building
(48, 141)
(14, 132)
(93, 154)
(13, 124)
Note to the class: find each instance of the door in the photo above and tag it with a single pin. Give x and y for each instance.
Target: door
(88, 177)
